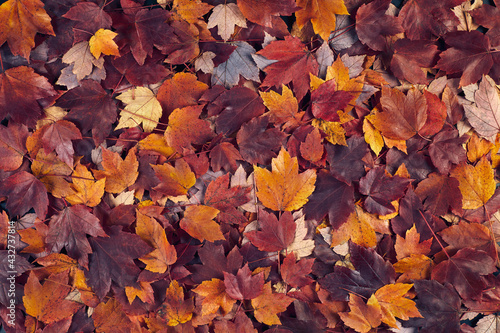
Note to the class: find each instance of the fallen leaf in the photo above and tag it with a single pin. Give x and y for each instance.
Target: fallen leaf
(363, 316)
(284, 188)
(198, 222)
(119, 173)
(226, 17)
(85, 189)
(215, 297)
(102, 42)
(176, 180)
(322, 15)
(274, 235)
(141, 107)
(268, 304)
(394, 305)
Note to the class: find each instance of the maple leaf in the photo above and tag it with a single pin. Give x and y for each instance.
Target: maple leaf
(21, 20)
(226, 17)
(411, 244)
(176, 180)
(381, 190)
(215, 297)
(284, 188)
(262, 12)
(240, 62)
(275, 235)
(224, 156)
(469, 54)
(244, 285)
(410, 56)
(471, 235)
(85, 189)
(439, 194)
(374, 26)
(439, 305)
(235, 107)
(312, 149)
(102, 42)
(425, 19)
(12, 146)
(393, 304)
(326, 101)
(119, 174)
(57, 136)
(186, 128)
(164, 254)
(83, 61)
(257, 143)
(484, 116)
(357, 228)
(346, 163)
(331, 196)
(477, 183)
(110, 317)
(241, 323)
(176, 309)
(91, 108)
(226, 199)
(447, 149)
(191, 10)
(20, 89)
(215, 262)
(363, 316)
(41, 300)
(281, 107)
(23, 192)
(294, 65)
(295, 273)
(483, 15)
(182, 90)
(112, 259)
(464, 271)
(68, 229)
(268, 304)
(198, 222)
(373, 137)
(414, 267)
(141, 107)
(322, 15)
(403, 116)
(89, 18)
(371, 273)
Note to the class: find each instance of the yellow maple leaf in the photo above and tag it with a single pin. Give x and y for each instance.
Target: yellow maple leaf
(141, 107)
(284, 188)
(198, 222)
(334, 131)
(164, 254)
(21, 20)
(176, 180)
(357, 228)
(373, 137)
(119, 173)
(157, 143)
(86, 190)
(476, 183)
(145, 293)
(393, 304)
(177, 310)
(215, 297)
(321, 13)
(414, 267)
(102, 42)
(281, 107)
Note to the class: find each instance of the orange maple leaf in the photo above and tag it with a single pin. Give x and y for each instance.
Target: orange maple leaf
(215, 297)
(119, 173)
(268, 304)
(21, 20)
(198, 222)
(284, 188)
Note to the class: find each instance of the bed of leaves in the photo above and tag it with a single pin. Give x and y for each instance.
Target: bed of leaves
(249, 166)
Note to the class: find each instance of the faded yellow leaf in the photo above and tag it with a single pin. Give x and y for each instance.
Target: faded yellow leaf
(284, 188)
(477, 183)
(102, 42)
(177, 310)
(141, 107)
(477, 147)
(226, 17)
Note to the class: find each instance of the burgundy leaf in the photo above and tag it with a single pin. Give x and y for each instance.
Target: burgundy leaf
(244, 285)
(274, 235)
